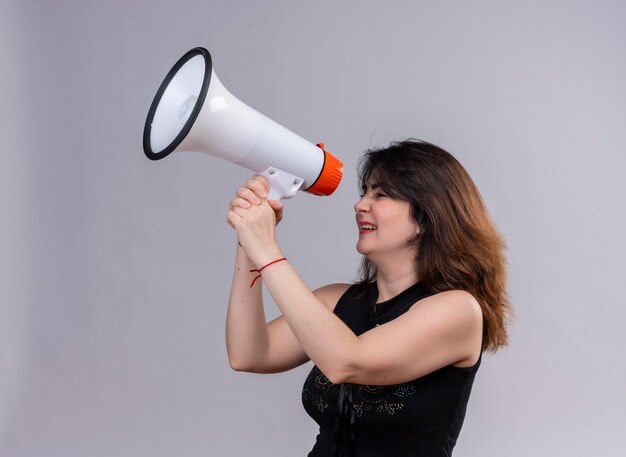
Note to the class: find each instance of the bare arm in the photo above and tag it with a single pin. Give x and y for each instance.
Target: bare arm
(440, 330)
(253, 344)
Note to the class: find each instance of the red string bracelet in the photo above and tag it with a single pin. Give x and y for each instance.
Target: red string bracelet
(261, 269)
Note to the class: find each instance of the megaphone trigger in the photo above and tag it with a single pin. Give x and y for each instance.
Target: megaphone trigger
(282, 184)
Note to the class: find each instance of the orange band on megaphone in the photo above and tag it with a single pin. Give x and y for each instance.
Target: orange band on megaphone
(330, 176)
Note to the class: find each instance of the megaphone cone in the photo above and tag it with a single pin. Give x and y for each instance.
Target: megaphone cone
(193, 111)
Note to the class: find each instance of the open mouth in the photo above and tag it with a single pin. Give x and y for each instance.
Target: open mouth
(367, 227)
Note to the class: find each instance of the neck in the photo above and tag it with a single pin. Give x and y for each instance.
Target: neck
(394, 277)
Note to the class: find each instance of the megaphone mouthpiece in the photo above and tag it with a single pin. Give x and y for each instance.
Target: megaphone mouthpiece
(330, 175)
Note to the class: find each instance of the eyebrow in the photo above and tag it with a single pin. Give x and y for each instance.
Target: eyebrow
(373, 186)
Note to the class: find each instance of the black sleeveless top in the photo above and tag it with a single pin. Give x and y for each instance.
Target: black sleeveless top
(420, 418)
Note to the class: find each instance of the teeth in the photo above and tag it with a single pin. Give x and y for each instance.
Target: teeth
(368, 227)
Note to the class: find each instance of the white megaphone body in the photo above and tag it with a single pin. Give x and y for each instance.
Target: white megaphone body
(192, 111)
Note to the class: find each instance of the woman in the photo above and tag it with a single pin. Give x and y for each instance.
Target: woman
(395, 354)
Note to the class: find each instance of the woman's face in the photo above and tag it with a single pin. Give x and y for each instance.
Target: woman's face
(385, 224)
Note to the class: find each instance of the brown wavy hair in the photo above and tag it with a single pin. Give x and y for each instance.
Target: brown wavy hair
(458, 246)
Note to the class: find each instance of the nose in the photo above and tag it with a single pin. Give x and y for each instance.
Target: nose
(361, 206)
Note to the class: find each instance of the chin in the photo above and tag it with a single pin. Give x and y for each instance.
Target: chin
(362, 250)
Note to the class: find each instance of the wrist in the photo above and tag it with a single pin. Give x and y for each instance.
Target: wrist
(267, 255)
(259, 270)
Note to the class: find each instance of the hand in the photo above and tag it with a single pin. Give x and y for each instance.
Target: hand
(254, 217)
(252, 193)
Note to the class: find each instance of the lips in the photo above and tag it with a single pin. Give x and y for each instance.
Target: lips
(366, 226)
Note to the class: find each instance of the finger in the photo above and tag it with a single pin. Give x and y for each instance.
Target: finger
(262, 179)
(241, 202)
(248, 194)
(259, 184)
(233, 218)
(276, 205)
(247, 213)
(239, 211)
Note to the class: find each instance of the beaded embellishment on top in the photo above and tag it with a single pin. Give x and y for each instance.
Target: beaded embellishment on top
(316, 389)
(380, 399)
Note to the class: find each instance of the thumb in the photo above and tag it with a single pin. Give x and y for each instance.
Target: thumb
(276, 205)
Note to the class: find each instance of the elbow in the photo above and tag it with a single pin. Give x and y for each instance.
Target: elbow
(338, 375)
(238, 364)
(337, 378)
(341, 369)
(244, 366)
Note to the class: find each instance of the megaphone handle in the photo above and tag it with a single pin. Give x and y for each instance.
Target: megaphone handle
(283, 185)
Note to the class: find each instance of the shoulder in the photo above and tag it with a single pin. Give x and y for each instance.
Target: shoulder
(331, 293)
(455, 311)
(458, 301)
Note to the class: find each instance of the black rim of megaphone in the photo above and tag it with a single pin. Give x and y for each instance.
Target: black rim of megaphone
(194, 114)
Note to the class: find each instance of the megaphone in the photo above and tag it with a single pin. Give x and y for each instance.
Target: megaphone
(192, 111)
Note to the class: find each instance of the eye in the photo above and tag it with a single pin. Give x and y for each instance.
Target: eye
(381, 195)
